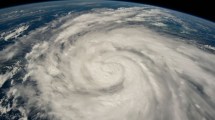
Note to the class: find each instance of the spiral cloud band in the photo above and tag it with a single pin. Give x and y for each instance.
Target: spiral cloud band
(105, 65)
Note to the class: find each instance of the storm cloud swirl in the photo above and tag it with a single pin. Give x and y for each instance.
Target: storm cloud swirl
(105, 65)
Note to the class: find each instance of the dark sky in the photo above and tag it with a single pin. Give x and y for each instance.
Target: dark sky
(200, 8)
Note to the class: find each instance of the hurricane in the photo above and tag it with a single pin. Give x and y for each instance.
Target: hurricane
(104, 65)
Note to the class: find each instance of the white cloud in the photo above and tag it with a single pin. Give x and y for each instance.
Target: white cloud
(14, 33)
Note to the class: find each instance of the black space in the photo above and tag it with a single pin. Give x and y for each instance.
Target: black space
(201, 8)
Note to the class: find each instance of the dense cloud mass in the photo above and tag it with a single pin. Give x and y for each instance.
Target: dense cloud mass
(105, 65)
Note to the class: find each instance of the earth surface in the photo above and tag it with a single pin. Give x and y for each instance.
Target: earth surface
(105, 60)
